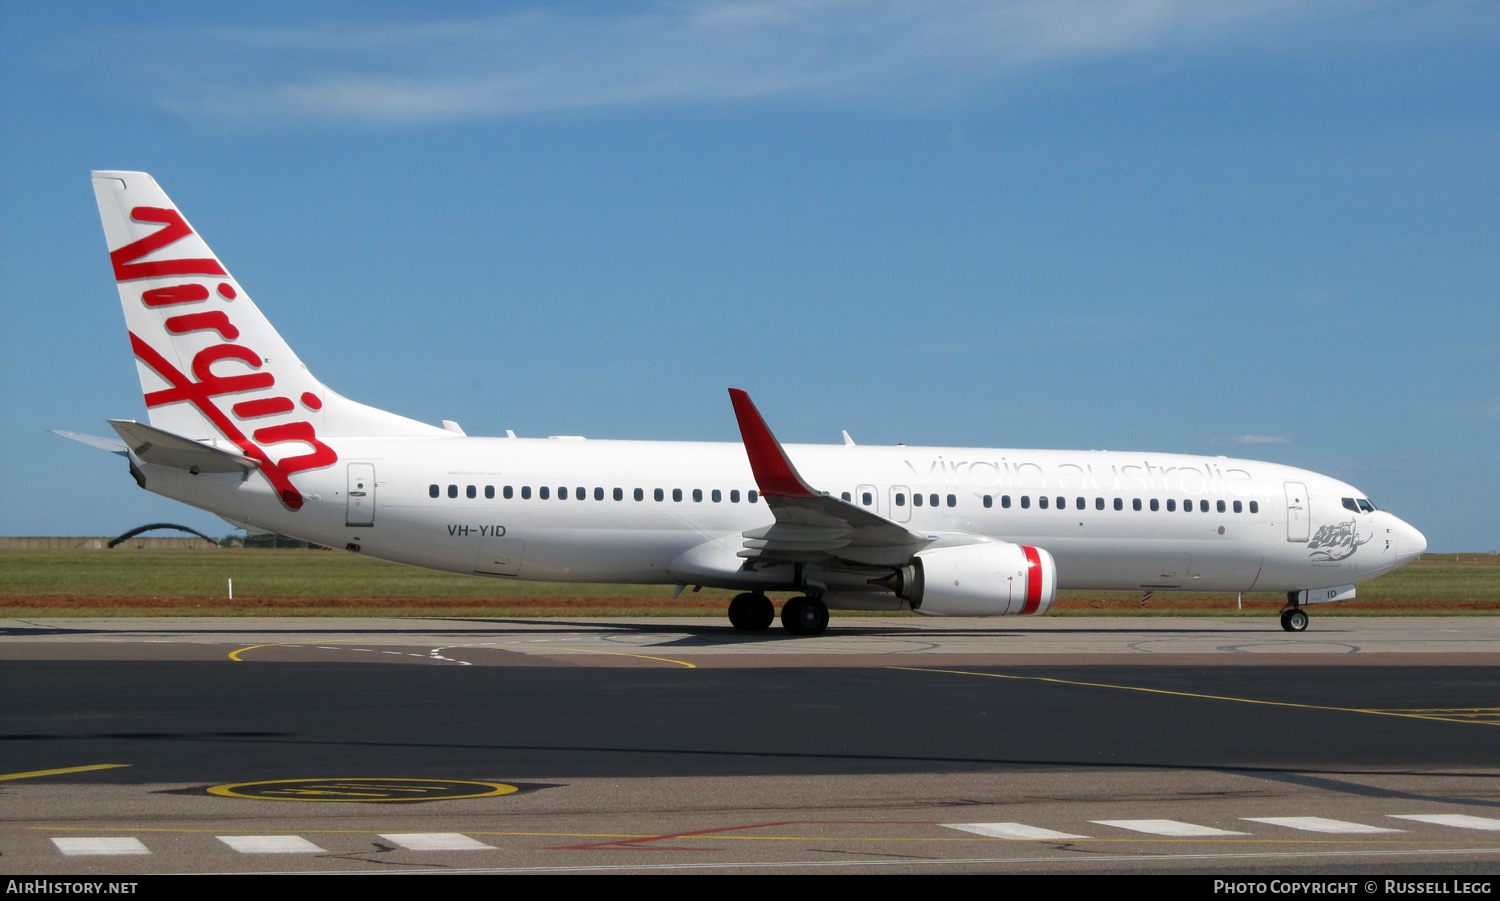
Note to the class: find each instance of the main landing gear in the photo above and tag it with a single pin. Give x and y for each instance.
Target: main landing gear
(751, 612)
(804, 616)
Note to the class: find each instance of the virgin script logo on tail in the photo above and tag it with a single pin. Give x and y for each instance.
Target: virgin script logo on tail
(205, 385)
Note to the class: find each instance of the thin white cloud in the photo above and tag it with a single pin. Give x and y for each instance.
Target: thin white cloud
(1401, 463)
(1250, 439)
(560, 58)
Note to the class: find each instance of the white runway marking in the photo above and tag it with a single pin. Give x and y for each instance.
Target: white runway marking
(436, 841)
(270, 844)
(82, 847)
(1171, 828)
(1320, 824)
(1460, 820)
(1010, 830)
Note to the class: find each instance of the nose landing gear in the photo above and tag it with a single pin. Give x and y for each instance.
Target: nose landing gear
(1294, 619)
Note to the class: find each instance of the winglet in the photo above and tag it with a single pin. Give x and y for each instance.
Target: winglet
(774, 472)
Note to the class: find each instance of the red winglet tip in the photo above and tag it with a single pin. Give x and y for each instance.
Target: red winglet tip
(773, 470)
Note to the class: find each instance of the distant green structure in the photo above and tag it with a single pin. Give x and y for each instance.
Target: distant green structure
(160, 525)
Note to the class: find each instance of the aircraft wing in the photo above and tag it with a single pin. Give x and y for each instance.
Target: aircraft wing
(812, 526)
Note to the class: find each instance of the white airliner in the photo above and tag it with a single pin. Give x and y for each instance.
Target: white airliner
(241, 428)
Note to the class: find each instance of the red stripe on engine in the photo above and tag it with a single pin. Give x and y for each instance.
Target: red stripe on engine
(1033, 579)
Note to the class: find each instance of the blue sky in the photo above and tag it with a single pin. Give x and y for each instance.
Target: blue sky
(1262, 229)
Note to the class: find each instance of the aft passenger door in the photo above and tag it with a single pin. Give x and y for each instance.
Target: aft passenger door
(360, 508)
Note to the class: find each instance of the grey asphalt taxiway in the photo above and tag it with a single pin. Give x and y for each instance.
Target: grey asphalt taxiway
(136, 745)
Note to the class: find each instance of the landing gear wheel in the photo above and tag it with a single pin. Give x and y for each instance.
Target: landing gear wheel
(804, 616)
(1294, 620)
(751, 612)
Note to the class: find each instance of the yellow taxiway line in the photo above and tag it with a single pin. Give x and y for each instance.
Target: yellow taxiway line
(61, 771)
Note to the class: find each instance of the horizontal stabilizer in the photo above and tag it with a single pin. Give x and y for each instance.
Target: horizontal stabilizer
(107, 444)
(153, 445)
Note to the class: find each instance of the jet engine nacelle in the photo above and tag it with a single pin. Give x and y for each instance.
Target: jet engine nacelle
(992, 578)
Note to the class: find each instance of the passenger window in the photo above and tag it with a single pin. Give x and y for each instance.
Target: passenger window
(489, 492)
(639, 494)
(752, 495)
(734, 496)
(900, 499)
(472, 492)
(1042, 502)
(453, 491)
(581, 494)
(525, 492)
(658, 494)
(1119, 504)
(1203, 506)
(916, 500)
(1005, 501)
(1099, 503)
(542, 493)
(1255, 506)
(697, 495)
(868, 498)
(619, 494)
(1171, 505)
(433, 491)
(509, 492)
(953, 500)
(1025, 501)
(599, 494)
(1081, 503)
(677, 495)
(847, 496)
(1135, 504)
(717, 496)
(1238, 507)
(562, 493)
(988, 501)
(1220, 506)
(1155, 505)
(932, 500)
(1062, 503)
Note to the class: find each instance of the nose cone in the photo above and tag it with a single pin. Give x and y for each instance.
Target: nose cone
(1409, 543)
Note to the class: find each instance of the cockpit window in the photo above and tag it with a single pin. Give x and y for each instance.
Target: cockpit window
(1365, 505)
(1349, 504)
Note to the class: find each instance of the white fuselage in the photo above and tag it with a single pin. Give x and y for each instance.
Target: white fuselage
(1293, 529)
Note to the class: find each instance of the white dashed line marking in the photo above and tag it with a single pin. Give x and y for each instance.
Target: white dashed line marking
(1171, 828)
(270, 844)
(1011, 831)
(436, 841)
(83, 847)
(1320, 824)
(1459, 820)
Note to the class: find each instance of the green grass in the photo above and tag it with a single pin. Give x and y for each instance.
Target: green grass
(331, 583)
(289, 574)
